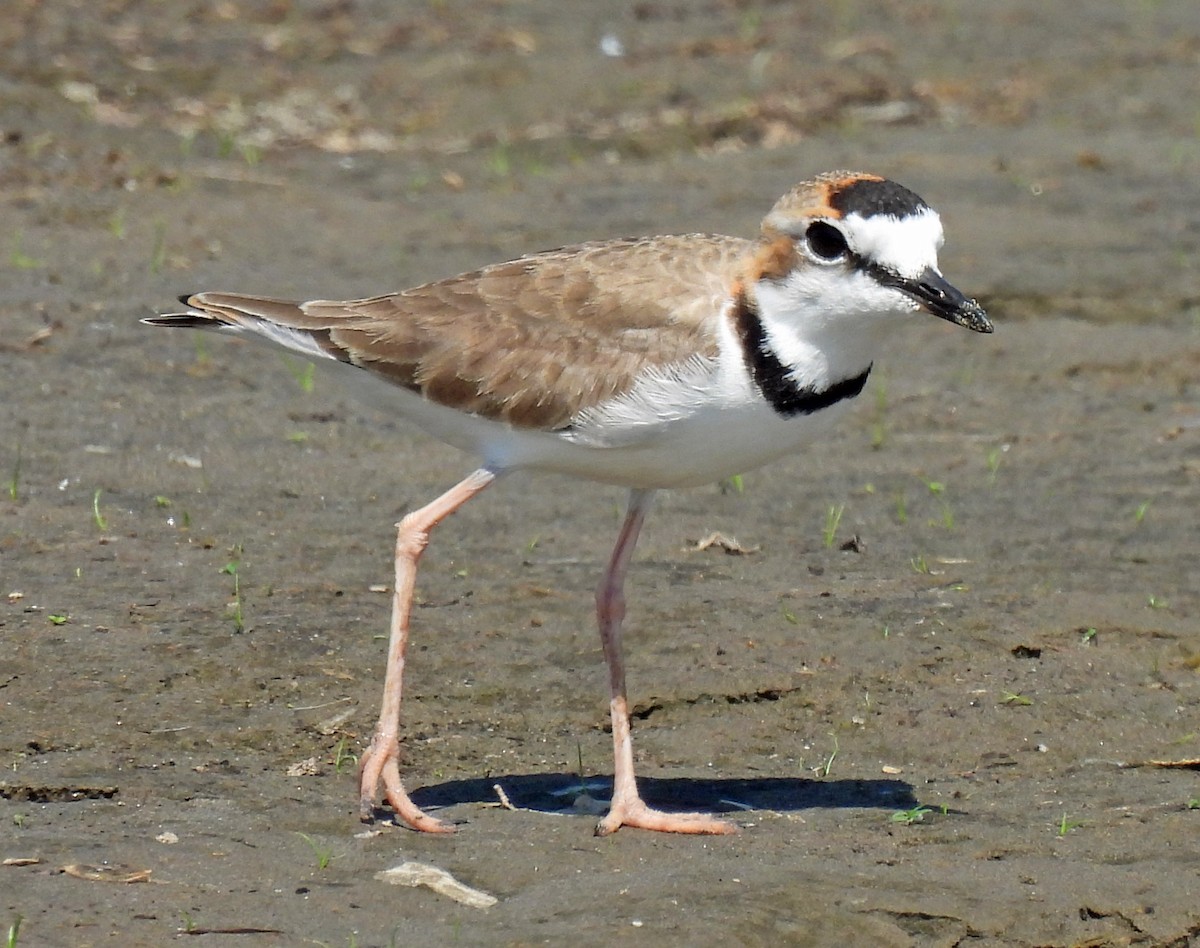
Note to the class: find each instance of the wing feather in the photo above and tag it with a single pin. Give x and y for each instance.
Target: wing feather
(532, 342)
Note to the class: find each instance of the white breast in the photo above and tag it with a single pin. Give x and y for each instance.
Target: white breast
(684, 426)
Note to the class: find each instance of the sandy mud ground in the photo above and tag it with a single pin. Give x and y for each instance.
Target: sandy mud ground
(954, 730)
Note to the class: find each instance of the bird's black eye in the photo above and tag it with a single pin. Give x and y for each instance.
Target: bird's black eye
(825, 241)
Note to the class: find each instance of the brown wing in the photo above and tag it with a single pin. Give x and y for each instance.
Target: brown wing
(530, 342)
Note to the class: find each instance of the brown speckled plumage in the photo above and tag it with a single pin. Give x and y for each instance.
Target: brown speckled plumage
(532, 341)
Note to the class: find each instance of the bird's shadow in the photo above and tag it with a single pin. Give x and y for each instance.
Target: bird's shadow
(558, 793)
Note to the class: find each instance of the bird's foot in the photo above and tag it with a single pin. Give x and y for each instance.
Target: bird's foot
(635, 813)
(380, 764)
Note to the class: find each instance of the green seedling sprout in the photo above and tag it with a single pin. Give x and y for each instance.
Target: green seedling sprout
(342, 757)
(825, 768)
(909, 817)
(324, 854)
(158, 250)
(879, 424)
(938, 490)
(97, 516)
(833, 517)
(19, 258)
(993, 464)
(1065, 825)
(304, 372)
(231, 569)
(14, 480)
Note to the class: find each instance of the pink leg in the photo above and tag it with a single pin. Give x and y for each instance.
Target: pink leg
(627, 808)
(381, 760)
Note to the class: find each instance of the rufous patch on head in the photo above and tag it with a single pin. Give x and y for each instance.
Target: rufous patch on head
(830, 185)
(774, 260)
(813, 199)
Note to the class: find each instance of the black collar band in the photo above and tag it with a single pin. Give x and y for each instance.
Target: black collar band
(774, 380)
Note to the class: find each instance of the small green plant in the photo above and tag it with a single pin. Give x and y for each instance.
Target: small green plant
(1015, 699)
(158, 249)
(200, 346)
(343, 757)
(833, 517)
(993, 464)
(1140, 514)
(789, 616)
(19, 258)
(323, 854)
(14, 931)
(1154, 602)
(879, 422)
(901, 508)
(18, 820)
(919, 563)
(58, 619)
(161, 501)
(1065, 825)
(734, 484)
(97, 516)
(232, 568)
(500, 160)
(15, 475)
(1089, 636)
(824, 769)
(1194, 803)
(303, 372)
(909, 817)
(116, 223)
(14, 478)
(938, 490)
(187, 923)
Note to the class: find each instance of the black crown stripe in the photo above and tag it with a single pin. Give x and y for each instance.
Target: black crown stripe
(868, 197)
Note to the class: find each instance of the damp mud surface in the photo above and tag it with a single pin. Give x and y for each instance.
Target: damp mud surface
(949, 687)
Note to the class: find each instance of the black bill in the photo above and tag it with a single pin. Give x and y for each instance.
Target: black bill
(939, 297)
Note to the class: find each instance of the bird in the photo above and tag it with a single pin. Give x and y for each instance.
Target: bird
(646, 362)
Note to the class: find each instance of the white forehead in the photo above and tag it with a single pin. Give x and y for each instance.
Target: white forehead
(905, 245)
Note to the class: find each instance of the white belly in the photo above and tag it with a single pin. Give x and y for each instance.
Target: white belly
(670, 433)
